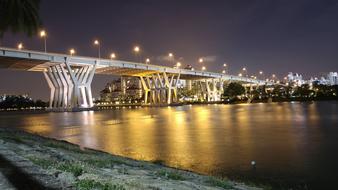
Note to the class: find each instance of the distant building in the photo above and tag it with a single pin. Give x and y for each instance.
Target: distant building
(332, 78)
(126, 88)
(295, 79)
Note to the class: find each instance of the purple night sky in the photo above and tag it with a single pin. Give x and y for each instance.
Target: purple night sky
(276, 36)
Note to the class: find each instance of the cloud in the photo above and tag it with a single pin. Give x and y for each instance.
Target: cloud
(209, 58)
(165, 58)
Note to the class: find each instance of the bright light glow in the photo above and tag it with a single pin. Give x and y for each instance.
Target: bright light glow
(147, 60)
(244, 69)
(170, 55)
(240, 74)
(223, 71)
(285, 78)
(112, 56)
(20, 46)
(203, 68)
(224, 65)
(96, 42)
(273, 75)
(260, 72)
(192, 69)
(178, 64)
(72, 51)
(201, 60)
(43, 33)
(136, 49)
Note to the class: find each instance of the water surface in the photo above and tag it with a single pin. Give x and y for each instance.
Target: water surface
(293, 144)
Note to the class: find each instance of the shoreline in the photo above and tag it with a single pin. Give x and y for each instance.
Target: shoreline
(56, 164)
(110, 107)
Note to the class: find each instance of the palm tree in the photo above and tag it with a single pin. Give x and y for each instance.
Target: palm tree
(19, 16)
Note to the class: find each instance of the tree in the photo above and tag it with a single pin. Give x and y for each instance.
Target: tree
(303, 91)
(19, 16)
(233, 90)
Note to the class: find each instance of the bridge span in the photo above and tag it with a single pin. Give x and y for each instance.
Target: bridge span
(69, 77)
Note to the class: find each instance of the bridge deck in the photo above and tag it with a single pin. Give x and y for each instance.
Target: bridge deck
(38, 61)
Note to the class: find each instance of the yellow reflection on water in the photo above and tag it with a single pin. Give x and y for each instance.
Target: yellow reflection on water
(202, 138)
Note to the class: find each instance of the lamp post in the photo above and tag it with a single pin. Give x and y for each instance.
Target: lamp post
(178, 64)
(136, 51)
(261, 75)
(244, 71)
(225, 68)
(112, 56)
(98, 44)
(43, 34)
(171, 58)
(20, 46)
(72, 51)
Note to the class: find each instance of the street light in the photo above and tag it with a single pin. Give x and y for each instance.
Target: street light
(171, 58)
(72, 51)
(98, 44)
(240, 75)
(225, 68)
(112, 56)
(147, 61)
(178, 64)
(20, 46)
(203, 68)
(136, 51)
(43, 34)
(200, 60)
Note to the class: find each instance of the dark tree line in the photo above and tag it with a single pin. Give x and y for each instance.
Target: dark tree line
(18, 102)
(235, 91)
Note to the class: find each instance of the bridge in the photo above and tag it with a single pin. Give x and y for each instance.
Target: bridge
(69, 77)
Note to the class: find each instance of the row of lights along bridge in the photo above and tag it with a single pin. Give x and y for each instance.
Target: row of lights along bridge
(137, 50)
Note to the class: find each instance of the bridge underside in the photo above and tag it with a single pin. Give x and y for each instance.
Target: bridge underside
(69, 78)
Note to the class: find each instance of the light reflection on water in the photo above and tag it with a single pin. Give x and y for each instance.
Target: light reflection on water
(289, 141)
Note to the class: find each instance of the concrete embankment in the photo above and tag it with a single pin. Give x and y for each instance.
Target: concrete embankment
(33, 162)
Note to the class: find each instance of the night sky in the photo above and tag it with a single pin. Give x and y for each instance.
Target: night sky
(276, 36)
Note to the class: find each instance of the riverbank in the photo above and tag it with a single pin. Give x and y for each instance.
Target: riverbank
(44, 163)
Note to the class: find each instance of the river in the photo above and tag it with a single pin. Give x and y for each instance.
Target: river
(293, 144)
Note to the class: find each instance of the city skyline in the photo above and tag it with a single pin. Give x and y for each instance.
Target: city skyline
(258, 35)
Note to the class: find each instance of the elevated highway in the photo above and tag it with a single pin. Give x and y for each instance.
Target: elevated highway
(69, 77)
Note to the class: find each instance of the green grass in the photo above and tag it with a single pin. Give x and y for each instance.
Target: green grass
(13, 138)
(170, 175)
(219, 183)
(88, 184)
(74, 168)
(65, 146)
(44, 163)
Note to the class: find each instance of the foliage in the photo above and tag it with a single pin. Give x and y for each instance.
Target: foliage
(19, 16)
(219, 183)
(186, 93)
(88, 184)
(170, 175)
(234, 89)
(303, 91)
(20, 102)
